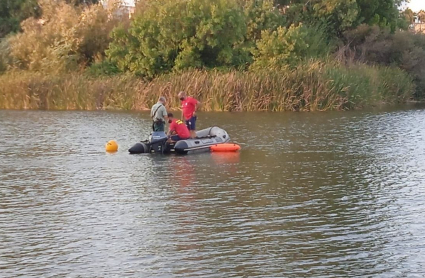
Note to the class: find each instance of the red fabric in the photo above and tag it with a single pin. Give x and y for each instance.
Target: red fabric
(180, 128)
(188, 107)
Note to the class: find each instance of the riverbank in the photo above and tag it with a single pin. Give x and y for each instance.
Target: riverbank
(311, 86)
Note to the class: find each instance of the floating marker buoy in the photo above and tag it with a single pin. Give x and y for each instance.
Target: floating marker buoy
(111, 146)
(225, 147)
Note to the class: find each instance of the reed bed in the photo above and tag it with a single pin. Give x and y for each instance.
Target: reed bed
(311, 86)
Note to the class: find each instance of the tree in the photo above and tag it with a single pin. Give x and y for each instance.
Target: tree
(336, 15)
(12, 12)
(285, 47)
(378, 12)
(261, 15)
(421, 16)
(409, 15)
(65, 38)
(172, 35)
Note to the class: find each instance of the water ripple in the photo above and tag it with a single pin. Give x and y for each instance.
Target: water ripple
(309, 195)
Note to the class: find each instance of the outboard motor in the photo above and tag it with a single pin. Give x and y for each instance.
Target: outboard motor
(157, 141)
(142, 147)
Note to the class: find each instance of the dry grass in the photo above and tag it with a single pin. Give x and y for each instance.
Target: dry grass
(313, 86)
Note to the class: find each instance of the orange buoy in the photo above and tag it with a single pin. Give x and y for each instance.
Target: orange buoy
(111, 146)
(226, 147)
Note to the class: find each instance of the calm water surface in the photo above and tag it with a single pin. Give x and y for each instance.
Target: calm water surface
(310, 195)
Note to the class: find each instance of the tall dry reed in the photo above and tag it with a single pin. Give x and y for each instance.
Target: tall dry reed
(311, 86)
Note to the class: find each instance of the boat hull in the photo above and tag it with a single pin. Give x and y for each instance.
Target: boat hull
(205, 138)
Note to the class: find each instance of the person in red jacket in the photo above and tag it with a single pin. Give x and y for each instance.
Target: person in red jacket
(177, 130)
(189, 108)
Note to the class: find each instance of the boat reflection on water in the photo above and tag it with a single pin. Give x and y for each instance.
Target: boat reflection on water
(187, 168)
(184, 170)
(226, 165)
(225, 157)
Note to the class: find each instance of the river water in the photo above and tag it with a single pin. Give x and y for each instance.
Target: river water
(335, 194)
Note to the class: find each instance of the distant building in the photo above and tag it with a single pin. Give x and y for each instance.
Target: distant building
(419, 27)
(126, 9)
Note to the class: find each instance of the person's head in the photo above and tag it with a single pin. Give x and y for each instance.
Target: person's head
(170, 117)
(182, 95)
(162, 100)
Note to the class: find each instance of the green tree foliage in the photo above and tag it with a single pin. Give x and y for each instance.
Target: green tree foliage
(286, 47)
(343, 15)
(336, 15)
(261, 15)
(280, 48)
(378, 12)
(12, 12)
(170, 34)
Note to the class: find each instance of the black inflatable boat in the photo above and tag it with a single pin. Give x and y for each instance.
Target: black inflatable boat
(205, 138)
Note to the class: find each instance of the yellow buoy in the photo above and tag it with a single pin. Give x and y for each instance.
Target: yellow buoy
(111, 146)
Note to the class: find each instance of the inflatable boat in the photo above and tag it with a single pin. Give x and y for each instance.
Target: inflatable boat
(205, 138)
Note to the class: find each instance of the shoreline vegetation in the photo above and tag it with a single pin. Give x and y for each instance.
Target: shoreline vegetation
(313, 86)
(232, 55)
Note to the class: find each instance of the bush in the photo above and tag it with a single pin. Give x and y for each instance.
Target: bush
(361, 85)
(402, 49)
(64, 39)
(260, 16)
(102, 68)
(5, 59)
(177, 35)
(171, 35)
(13, 12)
(288, 46)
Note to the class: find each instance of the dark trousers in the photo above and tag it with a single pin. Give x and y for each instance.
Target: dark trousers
(158, 126)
